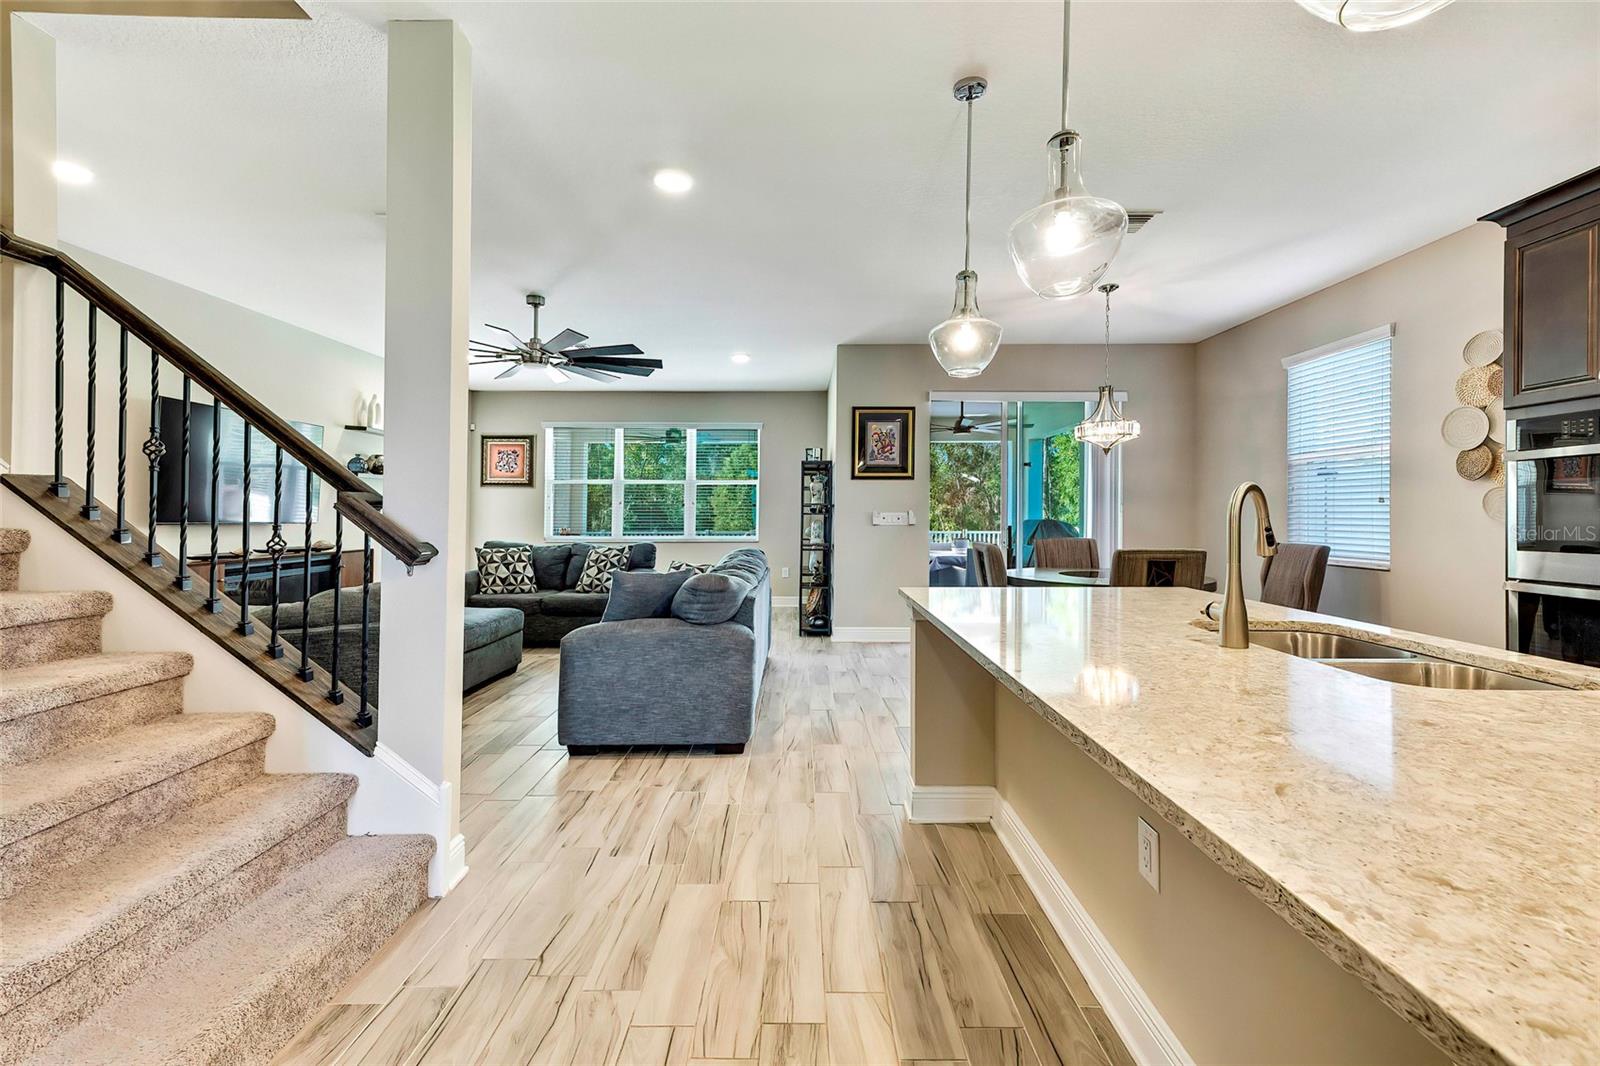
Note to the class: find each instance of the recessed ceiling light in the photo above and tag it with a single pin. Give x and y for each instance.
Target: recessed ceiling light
(740, 357)
(676, 182)
(70, 173)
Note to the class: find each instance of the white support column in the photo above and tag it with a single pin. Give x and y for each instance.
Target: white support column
(28, 209)
(425, 393)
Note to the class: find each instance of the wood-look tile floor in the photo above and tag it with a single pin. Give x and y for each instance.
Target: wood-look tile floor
(681, 907)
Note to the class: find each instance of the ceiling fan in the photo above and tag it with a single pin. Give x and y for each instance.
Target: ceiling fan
(961, 425)
(562, 355)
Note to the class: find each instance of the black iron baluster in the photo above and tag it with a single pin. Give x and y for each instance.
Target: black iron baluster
(154, 449)
(91, 509)
(58, 486)
(364, 716)
(213, 598)
(182, 580)
(335, 693)
(275, 547)
(246, 626)
(121, 534)
(305, 593)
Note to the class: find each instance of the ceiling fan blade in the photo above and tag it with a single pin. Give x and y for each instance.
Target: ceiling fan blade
(604, 363)
(478, 342)
(567, 338)
(604, 349)
(583, 371)
(486, 362)
(632, 371)
(520, 342)
(508, 371)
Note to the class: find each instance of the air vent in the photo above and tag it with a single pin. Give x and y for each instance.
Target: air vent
(1137, 219)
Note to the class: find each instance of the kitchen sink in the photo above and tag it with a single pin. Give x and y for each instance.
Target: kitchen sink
(1436, 673)
(1310, 644)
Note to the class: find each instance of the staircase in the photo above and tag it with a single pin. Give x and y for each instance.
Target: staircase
(163, 900)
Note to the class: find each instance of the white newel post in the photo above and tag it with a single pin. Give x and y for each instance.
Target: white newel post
(425, 395)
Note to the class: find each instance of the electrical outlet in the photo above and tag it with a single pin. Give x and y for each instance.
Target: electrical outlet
(786, 571)
(1149, 854)
(891, 518)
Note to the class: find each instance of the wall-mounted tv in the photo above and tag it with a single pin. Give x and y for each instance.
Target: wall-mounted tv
(230, 483)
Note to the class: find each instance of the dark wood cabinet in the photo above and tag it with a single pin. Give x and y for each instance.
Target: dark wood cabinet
(1552, 285)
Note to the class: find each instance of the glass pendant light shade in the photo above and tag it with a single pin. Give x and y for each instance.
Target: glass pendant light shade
(1367, 16)
(965, 343)
(1106, 427)
(1062, 247)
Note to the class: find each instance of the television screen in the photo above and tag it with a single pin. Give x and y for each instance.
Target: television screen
(230, 482)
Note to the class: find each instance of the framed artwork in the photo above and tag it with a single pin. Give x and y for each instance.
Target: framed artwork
(883, 441)
(1572, 473)
(507, 461)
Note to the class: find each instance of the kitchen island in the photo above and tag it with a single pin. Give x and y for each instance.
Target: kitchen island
(1347, 865)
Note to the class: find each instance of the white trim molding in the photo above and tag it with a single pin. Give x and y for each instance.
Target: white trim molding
(872, 634)
(1145, 1032)
(785, 601)
(952, 803)
(449, 863)
(1377, 333)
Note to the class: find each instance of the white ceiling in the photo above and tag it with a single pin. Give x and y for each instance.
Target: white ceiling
(246, 159)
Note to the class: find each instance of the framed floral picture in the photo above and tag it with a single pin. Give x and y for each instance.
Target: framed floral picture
(883, 442)
(507, 461)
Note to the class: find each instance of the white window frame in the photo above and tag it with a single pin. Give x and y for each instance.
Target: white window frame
(690, 482)
(1339, 347)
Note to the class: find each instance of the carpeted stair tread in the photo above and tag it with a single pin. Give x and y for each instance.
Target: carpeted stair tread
(13, 541)
(32, 608)
(239, 993)
(49, 791)
(81, 912)
(45, 686)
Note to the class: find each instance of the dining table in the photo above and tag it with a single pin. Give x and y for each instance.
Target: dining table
(1043, 576)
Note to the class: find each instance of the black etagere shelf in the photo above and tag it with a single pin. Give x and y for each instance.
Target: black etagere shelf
(816, 548)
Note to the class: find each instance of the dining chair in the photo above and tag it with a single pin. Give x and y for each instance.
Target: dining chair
(986, 565)
(1293, 577)
(1159, 568)
(1067, 553)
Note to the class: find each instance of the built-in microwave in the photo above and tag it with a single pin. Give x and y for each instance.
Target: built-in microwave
(1553, 495)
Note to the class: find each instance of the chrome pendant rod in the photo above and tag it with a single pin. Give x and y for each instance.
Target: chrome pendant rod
(1066, 54)
(966, 257)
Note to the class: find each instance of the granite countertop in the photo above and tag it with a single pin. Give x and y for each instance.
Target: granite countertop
(1442, 845)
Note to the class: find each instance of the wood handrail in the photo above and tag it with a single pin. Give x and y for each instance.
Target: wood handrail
(353, 497)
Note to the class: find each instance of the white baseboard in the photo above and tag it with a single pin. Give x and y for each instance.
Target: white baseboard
(872, 634)
(1148, 1037)
(952, 803)
(786, 601)
(449, 863)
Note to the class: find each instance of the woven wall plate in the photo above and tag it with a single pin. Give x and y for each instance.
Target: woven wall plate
(1494, 504)
(1473, 463)
(1478, 385)
(1497, 420)
(1497, 469)
(1465, 427)
(1484, 348)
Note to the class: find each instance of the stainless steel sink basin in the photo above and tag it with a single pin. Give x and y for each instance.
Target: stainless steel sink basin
(1309, 644)
(1435, 673)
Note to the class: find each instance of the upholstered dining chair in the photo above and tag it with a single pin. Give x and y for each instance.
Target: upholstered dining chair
(986, 565)
(1293, 577)
(1159, 568)
(1066, 553)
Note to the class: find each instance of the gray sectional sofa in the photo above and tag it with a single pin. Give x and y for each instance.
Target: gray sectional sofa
(555, 610)
(666, 681)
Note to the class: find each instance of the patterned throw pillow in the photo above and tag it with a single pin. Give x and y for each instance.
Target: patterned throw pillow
(506, 570)
(679, 564)
(598, 567)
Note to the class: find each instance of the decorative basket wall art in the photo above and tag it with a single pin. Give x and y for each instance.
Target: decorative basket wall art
(1473, 463)
(1465, 427)
(1477, 429)
(1479, 385)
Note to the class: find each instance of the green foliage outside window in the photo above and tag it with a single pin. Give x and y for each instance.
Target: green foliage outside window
(965, 485)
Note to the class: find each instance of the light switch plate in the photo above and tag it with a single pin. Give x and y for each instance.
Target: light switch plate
(786, 571)
(1150, 854)
(891, 518)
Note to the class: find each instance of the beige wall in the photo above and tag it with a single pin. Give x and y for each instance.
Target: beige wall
(1158, 504)
(1447, 556)
(790, 423)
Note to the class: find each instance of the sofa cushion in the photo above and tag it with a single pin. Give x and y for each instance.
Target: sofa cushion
(485, 625)
(643, 594)
(505, 570)
(707, 599)
(549, 561)
(526, 602)
(573, 604)
(640, 557)
(598, 566)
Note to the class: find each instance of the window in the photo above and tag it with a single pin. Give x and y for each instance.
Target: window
(652, 482)
(1339, 448)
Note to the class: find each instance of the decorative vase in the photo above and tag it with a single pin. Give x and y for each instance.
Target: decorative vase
(357, 464)
(361, 412)
(375, 464)
(375, 413)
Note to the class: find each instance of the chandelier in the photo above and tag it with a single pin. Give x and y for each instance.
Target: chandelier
(1106, 427)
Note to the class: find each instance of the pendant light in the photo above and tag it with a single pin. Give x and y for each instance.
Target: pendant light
(1367, 16)
(1062, 247)
(965, 342)
(1106, 427)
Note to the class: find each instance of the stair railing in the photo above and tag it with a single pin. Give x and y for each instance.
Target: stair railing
(354, 499)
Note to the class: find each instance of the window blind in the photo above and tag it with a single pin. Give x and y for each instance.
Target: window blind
(1338, 449)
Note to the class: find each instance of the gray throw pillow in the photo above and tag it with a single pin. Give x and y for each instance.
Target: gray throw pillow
(706, 599)
(692, 568)
(643, 594)
(505, 570)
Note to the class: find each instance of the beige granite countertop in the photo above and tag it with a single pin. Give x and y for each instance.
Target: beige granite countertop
(1444, 846)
